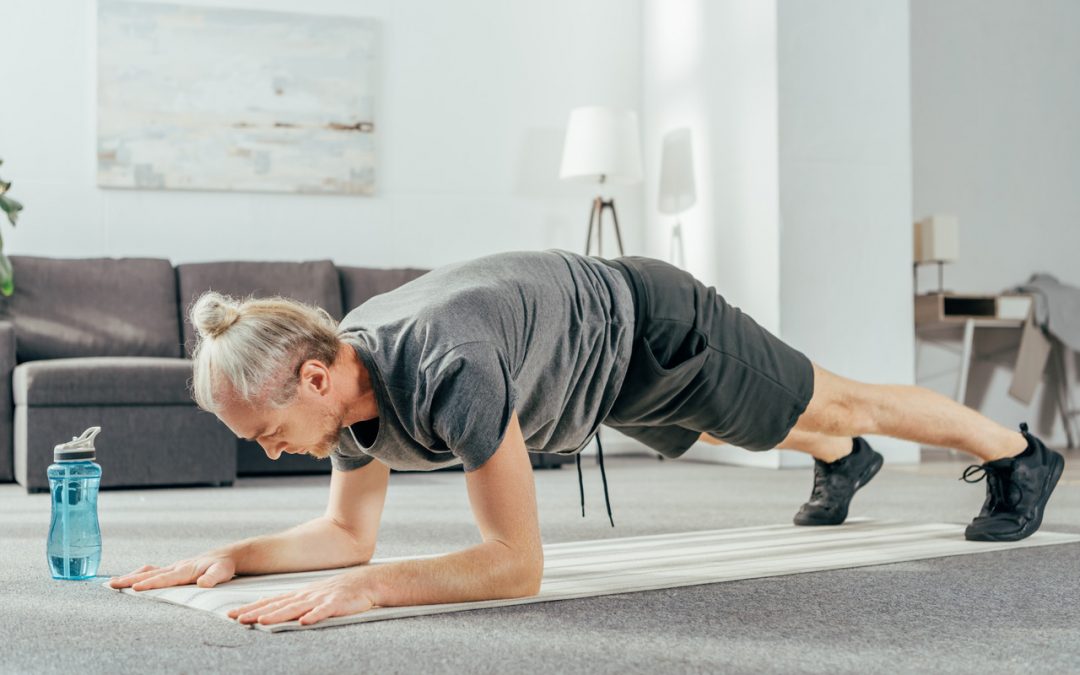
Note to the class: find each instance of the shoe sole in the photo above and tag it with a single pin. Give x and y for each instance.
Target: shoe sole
(1035, 523)
(865, 478)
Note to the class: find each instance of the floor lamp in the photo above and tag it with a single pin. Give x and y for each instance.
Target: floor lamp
(677, 191)
(602, 145)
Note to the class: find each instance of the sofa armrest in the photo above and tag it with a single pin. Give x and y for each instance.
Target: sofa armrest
(7, 406)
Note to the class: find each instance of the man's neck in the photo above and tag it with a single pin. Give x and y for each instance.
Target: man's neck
(360, 395)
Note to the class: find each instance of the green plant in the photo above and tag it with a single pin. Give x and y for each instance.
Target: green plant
(11, 208)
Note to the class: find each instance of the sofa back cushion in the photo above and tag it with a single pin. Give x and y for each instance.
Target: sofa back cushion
(71, 307)
(314, 282)
(360, 283)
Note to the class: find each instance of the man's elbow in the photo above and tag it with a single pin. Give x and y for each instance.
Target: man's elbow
(529, 576)
(361, 548)
(365, 556)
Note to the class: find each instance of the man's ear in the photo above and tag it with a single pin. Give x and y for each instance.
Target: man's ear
(315, 374)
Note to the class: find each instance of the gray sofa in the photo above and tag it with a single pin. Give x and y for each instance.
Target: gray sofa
(106, 342)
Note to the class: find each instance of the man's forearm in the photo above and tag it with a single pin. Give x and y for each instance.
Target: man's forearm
(487, 571)
(316, 544)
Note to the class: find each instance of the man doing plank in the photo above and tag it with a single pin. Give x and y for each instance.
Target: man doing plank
(478, 362)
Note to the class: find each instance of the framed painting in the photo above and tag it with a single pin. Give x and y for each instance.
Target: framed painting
(200, 98)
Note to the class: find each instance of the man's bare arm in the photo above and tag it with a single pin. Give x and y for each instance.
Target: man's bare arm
(508, 564)
(510, 561)
(343, 536)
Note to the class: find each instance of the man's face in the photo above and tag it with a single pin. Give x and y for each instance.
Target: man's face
(310, 425)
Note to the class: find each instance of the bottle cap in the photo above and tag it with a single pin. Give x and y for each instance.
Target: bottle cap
(78, 448)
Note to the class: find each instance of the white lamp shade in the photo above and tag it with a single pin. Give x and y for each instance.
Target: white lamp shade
(677, 192)
(602, 143)
(937, 239)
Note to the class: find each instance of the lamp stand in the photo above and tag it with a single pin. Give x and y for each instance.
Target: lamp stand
(596, 215)
(940, 273)
(677, 246)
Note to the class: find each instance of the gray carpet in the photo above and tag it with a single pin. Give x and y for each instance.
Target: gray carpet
(1009, 611)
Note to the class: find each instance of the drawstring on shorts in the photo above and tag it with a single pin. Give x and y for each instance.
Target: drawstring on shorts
(603, 477)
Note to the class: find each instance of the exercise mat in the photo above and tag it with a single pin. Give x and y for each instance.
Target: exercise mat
(631, 564)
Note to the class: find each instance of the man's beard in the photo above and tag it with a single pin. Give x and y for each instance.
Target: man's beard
(330, 438)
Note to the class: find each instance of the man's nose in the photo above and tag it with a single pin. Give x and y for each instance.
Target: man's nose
(274, 451)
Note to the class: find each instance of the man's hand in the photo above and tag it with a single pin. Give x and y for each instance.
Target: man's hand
(206, 570)
(341, 595)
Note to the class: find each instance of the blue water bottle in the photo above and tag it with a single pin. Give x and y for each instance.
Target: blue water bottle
(74, 548)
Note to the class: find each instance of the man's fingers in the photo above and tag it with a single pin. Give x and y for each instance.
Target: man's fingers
(139, 574)
(265, 608)
(144, 568)
(213, 575)
(258, 604)
(289, 611)
(317, 613)
(171, 577)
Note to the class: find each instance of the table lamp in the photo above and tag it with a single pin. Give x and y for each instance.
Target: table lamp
(937, 240)
(677, 191)
(602, 145)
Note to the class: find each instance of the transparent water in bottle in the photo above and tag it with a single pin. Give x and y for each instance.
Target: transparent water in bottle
(74, 544)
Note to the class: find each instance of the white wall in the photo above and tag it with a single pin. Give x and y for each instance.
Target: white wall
(996, 131)
(845, 190)
(799, 112)
(995, 109)
(472, 108)
(710, 65)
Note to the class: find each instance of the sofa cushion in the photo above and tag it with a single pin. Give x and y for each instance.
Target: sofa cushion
(314, 282)
(70, 307)
(358, 284)
(104, 380)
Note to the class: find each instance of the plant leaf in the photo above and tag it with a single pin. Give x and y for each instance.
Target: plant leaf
(10, 207)
(7, 276)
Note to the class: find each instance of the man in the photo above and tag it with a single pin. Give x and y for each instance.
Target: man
(480, 361)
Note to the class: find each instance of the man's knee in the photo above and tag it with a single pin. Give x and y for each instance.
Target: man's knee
(839, 406)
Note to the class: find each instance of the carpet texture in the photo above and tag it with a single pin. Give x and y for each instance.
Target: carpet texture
(1014, 610)
(632, 564)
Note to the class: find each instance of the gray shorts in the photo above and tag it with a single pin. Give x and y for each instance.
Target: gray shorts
(701, 365)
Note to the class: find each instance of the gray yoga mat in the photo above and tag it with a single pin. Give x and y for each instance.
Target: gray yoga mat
(626, 565)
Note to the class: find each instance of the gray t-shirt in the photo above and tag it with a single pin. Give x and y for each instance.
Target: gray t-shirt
(453, 352)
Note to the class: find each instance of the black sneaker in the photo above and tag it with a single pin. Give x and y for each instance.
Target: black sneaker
(1017, 489)
(835, 484)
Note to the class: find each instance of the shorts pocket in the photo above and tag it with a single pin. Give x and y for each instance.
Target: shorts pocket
(694, 345)
(654, 393)
(671, 441)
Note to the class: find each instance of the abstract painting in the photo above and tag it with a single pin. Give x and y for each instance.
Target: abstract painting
(198, 98)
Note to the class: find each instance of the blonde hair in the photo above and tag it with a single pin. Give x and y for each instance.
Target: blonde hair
(252, 348)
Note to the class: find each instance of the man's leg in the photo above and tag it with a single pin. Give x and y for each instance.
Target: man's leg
(819, 446)
(1020, 471)
(845, 407)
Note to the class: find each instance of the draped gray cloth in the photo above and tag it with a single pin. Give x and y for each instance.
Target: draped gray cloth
(1057, 307)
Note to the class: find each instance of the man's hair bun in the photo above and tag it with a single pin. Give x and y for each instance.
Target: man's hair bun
(213, 313)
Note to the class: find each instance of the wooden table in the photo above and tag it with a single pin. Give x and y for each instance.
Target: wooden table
(946, 312)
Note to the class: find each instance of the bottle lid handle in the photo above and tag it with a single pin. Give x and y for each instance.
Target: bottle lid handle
(83, 442)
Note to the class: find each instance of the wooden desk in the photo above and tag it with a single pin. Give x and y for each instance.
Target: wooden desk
(938, 312)
(946, 312)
